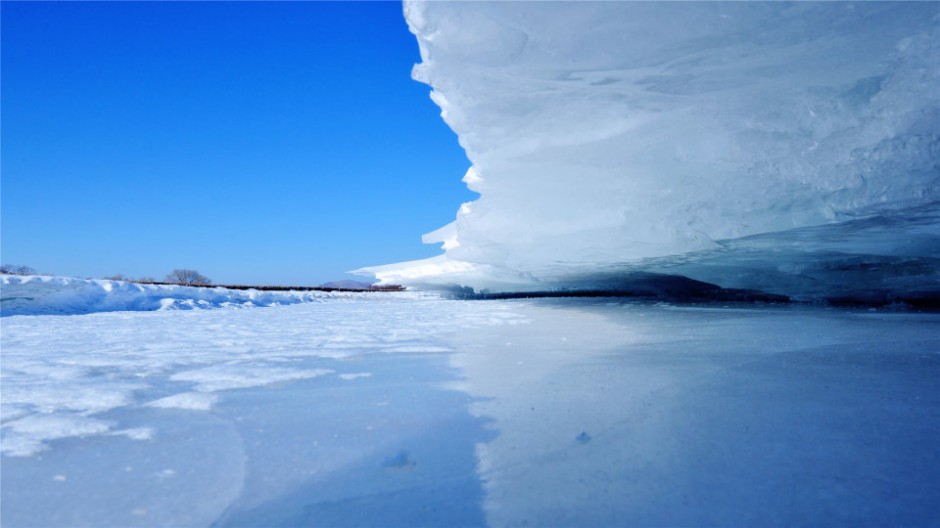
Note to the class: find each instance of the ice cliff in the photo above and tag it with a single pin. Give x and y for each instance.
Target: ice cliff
(787, 148)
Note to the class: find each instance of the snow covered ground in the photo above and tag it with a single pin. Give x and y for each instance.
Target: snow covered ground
(415, 410)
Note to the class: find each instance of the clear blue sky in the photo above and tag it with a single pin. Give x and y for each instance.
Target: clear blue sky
(264, 143)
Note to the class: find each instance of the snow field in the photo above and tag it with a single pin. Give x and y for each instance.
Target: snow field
(59, 373)
(406, 411)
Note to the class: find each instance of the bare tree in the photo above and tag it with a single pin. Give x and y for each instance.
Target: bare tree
(118, 277)
(188, 277)
(12, 269)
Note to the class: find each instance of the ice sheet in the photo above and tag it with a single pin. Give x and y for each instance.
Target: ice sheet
(429, 411)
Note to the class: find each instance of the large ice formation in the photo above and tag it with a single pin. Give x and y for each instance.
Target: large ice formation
(788, 148)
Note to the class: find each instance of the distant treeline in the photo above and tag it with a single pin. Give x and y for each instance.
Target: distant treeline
(15, 269)
(192, 278)
(389, 288)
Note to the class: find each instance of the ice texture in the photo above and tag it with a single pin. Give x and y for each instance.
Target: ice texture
(786, 147)
(397, 410)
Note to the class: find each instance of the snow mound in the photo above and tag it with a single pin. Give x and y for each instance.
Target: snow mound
(192, 401)
(227, 377)
(44, 295)
(697, 138)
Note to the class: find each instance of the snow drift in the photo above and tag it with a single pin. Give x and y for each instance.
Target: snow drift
(789, 148)
(46, 295)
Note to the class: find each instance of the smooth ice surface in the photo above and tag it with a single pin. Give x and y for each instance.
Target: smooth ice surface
(785, 147)
(41, 294)
(404, 410)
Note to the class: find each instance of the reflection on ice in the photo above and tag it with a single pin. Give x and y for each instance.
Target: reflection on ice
(631, 415)
(390, 450)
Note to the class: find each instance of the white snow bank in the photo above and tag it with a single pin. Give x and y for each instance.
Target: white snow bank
(192, 401)
(227, 377)
(613, 137)
(36, 294)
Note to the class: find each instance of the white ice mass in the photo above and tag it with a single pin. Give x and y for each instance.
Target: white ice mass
(790, 148)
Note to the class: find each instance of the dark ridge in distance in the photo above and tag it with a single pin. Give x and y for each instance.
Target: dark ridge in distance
(729, 295)
(904, 302)
(640, 286)
(683, 290)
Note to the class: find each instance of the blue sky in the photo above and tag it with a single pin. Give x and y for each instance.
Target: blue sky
(263, 143)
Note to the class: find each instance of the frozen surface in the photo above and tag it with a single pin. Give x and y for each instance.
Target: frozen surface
(41, 294)
(785, 147)
(400, 410)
